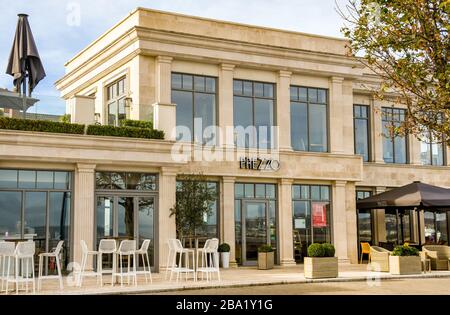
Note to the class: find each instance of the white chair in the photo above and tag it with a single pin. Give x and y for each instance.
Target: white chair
(23, 260)
(143, 252)
(171, 261)
(210, 259)
(85, 256)
(55, 254)
(178, 249)
(105, 247)
(127, 248)
(202, 251)
(7, 250)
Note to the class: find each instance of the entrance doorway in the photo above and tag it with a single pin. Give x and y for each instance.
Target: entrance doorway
(255, 219)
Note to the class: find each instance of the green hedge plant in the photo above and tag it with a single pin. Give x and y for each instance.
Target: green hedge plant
(321, 250)
(131, 132)
(405, 250)
(40, 125)
(136, 123)
(265, 249)
(223, 248)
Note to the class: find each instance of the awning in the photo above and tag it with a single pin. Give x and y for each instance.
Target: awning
(12, 100)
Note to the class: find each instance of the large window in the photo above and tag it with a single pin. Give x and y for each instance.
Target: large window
(312, 218)
(115, 95)
(126, 208)
(394, 146)
(431, 150)
(209, 229)
(195, 99)
(253, 114)
(436, 230)
(309, 126)
(365, 226)
(37, 205)
(361, 131)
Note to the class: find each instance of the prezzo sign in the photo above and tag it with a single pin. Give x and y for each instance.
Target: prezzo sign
(259, 164)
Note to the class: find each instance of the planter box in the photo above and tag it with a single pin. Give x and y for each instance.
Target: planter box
(265, 260)
(225, 258)
(405, 265)
(321, 267)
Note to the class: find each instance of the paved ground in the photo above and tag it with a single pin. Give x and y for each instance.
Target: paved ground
(407, 286)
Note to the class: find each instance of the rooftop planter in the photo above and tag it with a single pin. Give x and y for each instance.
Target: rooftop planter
(321, 262)
(130, 129)
(40, 125)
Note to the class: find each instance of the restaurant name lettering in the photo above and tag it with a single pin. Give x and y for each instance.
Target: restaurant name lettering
(259, 164)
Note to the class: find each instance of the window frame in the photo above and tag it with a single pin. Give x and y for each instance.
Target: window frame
(406, 137)
(308, 103)
(253, 98)
(430, 146)
(115, 100)
(369, 133)
(193, 91)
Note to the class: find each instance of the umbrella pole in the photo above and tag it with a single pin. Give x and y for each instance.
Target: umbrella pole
(24, 97)
(418, 226)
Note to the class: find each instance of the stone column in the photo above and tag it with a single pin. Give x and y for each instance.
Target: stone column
(227, 217)
(352, 223)
(379, 219)
(285, 227)
(336, 134)
(83, 212)
(283, 121)
(377, 134)
(340, 221)
(164, 112)
(225, 107)
(166, 223)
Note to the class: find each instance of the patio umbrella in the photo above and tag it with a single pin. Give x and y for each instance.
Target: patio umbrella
(24, 60)
(416, 195)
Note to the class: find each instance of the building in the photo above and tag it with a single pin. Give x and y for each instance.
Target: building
(330, 145)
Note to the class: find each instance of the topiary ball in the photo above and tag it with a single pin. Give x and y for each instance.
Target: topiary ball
(329, 249)
(316, 250)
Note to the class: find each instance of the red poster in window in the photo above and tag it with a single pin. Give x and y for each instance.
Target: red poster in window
(319, 214)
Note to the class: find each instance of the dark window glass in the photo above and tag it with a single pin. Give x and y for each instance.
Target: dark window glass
(118, 180)
(35, 217)
(146, 208)
(116, 102)
(253, 113)
(309, 126)
(10, 214)
(270, 191)
(27, 179)
(62, 180)
(105, 217)
(44, 180)
(394, 146)
(8, 179)
(239, 190)
(431, 150)
(361, 130)
(195, 108)
(125, 216)
(260, 191)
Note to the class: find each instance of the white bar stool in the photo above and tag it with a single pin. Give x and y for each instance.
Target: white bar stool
(143, 252)
(86, 253)
(105, 247)
(210, 260)
(127, 248)
(7, 250)
(56, 255)
(178, 248)
(170, 264)
(23, 256)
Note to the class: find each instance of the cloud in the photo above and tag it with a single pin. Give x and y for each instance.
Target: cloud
(60, 33)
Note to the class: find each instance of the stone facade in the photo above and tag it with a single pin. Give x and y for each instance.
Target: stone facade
(145, 48)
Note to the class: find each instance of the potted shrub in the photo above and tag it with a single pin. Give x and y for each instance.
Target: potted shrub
(265, 257)
(405, 260)
(224, 250)
(321, 262)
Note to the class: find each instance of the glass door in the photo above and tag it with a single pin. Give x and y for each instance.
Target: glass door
(256, 230)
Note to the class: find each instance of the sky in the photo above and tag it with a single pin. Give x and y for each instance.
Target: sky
(62, 28)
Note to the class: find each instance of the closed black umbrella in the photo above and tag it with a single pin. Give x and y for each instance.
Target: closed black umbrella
(24, 61)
